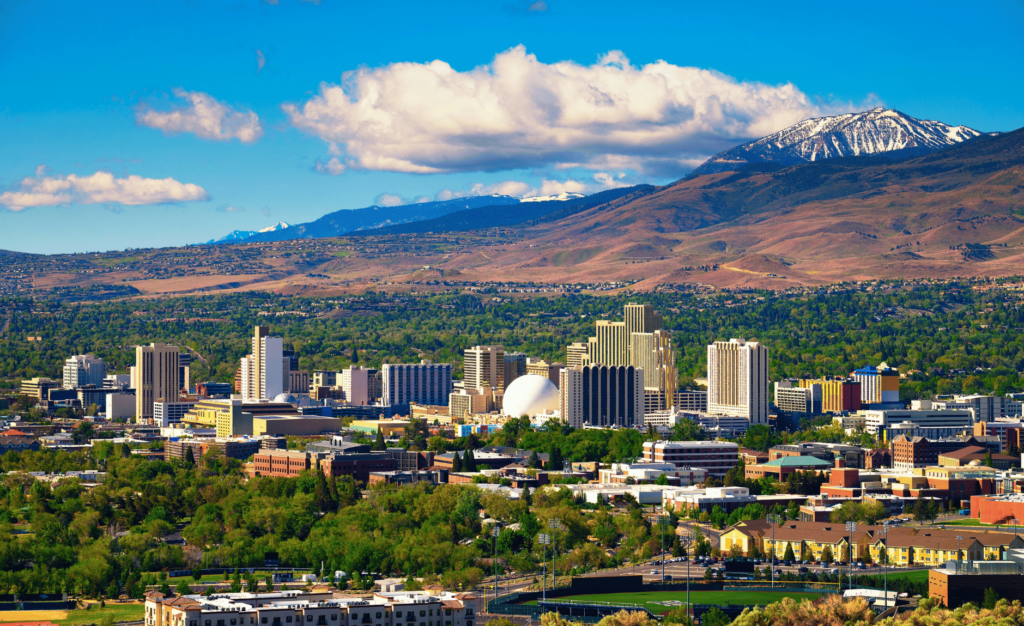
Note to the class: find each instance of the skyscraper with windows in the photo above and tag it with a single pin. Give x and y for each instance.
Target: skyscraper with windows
(738, 380)
(421, 383)
(155, 378)
(484, 366)
(266, 371)
(83, 369)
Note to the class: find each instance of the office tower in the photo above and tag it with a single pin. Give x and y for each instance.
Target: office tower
(652, 352)
(642, 318)
(184, 365)
(795, 398)
(485, 366)
(265, 372)
(293, 359)
(878, 385)
(356, 384)
(577, 354)
(602, 395)
(83, 369)
(155, 378)
(738, 380)
(38, 388)
(423, 383)
(837, 394)
(298, 381)
(515, 366)
(611, 345)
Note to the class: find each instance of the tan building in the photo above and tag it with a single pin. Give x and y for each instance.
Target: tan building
(611, 345)
(540, 367)
(577, 354)
(155, 378)
(298, 381)
(38, 388)
(484, 366)
(279, 425)
(738, 380)
(469, 401)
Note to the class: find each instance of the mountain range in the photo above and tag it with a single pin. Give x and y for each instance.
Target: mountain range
(875, 132)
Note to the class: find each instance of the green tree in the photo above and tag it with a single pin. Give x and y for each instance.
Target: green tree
(182, 588)
(662, 479)
(456, 462)
(379, 445)
(988, 461)
(715, 617)
(827, 556)
(534, 461)
(555, 461)
(789, 555)
(190, 459)
(989, 599)
(468, 462)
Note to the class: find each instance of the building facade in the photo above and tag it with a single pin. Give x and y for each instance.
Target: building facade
(484, 366)
(601, 395)
(155, 378)
(738, 380)
(83, 369)
(423, 383)
(716, 457)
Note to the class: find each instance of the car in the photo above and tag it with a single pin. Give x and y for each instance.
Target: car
(834, 572)
(667, 577)
(655, 572)
(757, 561)
(860, 563)
(803, 570)
(778, 572)
(861, 566)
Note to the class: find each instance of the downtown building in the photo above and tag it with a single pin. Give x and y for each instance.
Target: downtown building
(155, 378)
(83, 369)
(738, 380)
(265, 372)
(421, 383)
(602, 396)
(715, 457)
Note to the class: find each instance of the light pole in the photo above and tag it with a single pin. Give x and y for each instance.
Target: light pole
(663, 521)
(774, 519)
(885, 561)
(1014, 520)
(689, 557)
(544, 539)
(852, 528)
(555, 525)
(958, 538)
(494, 533)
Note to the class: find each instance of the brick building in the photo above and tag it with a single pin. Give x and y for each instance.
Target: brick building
(917, 452)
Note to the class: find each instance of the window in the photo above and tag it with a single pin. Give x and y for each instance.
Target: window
(309, 618)
(447, 611)
(288, 619)
(378, 614)
(233, 621)
(334, 617)
(263, 620)
(423, 613)
(398, 614)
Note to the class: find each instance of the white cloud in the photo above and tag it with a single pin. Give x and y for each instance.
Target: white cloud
(227, 208)
(205, 117)
(388, 199)
(538, 6)
(260, 60)
(333, 166)
(518, 112)
(99, 188)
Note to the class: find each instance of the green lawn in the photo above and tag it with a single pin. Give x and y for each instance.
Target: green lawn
(918, 575)
(649, 598)
(120, 612)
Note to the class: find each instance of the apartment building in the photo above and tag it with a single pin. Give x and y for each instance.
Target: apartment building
(484, 366)
(878, 385)
(515, 366)
(540, 367)
(577, 354)
(716, 457)
(422, 383)
(796, 400)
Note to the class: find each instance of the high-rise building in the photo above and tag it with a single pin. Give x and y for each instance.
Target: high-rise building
(422, 383)
(356, 383)
(325, 378)
(642, 318)
(265, 372)
(611, 345)
(298, 381)
(738, 380)
(652, 352)
(577, 354)
(184, 370)
(878, 385)
(485, 366)
(83, 369)
(602, 395)
(156, 377)
(837, 394)
(793, 398)
(515, 366)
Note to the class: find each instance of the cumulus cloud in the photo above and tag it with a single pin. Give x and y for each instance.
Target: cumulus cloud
(99, 188)
(517, 112)
(538, 7)
(332, 166)
(600, 181)
(204, 116)
(260, 60)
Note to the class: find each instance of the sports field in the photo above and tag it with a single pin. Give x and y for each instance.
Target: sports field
(651, 600)
(120, 613)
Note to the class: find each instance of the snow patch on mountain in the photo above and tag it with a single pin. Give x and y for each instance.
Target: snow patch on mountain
(564, 196)
(276, 227)
(877, 131)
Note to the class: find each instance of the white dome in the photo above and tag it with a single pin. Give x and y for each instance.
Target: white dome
(530, 395)
(285, 397)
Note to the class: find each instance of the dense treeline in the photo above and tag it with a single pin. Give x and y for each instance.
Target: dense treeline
(960, 337)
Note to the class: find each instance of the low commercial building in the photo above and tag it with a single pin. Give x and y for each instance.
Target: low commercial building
(281, 425)
(958, 421)
(961, 582)
(977, 455)
(715, 457)
(918, 452)
(390, 428)
(782, 467)
(404, 608)
(38, 388)
(291, 463)
(851, 456)
(640, 473)
(683, 499)
(168, 414)
(435, 477)
(240, 449)
(792, 399)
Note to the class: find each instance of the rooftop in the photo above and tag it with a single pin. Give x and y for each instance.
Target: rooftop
(797, 461)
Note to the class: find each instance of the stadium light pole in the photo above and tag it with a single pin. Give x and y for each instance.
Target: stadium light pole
(494, 533)
(958, 538)
(663, 521)
(555, 525)
(885, 561)
(852, 528)
(774, 520)
(689, 557)
(544, 539)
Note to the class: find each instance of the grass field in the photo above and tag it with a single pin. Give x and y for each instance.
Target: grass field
(918, 575)
(120, 613)
(7, 617)
(649, 598)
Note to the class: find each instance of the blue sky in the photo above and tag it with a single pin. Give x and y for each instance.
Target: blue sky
(138, 124)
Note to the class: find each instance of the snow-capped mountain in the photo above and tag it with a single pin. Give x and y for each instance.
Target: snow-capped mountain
(276, 227)
(233, 237)
(878, 131)
(565, 195)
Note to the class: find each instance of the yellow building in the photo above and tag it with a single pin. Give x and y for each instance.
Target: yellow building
(390, 428)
